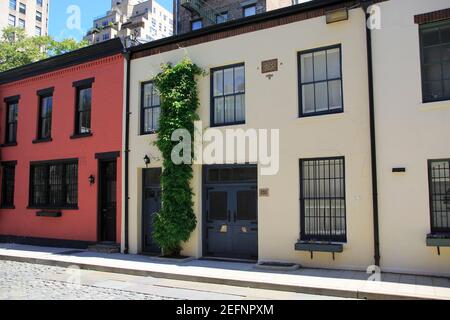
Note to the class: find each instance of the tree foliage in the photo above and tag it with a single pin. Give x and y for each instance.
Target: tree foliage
(179, 102)
(17, 49)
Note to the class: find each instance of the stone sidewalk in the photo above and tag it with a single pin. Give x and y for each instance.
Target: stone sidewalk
(348, 284)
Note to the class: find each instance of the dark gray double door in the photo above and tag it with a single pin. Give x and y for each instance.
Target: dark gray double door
(231, 219)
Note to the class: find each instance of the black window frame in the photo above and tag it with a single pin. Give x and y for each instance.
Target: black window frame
(7, 201)
(320, 237)
(426, 27)
(42, 94)
(9, 102)
(22, 10)
(79, 86)
(435, 229)
(300, 84)
(152, 107)
(58, 205)
(194, 21)
(38, 16)
(212, 96)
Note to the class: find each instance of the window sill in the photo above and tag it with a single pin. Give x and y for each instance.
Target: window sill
(42, 140)
(52, 208)
(438, 240)
(319, 114)
(148, 133)
(9, 144)
(81, 135)
(435, 105)
(319, 246)
(49, 214)
(217, 125)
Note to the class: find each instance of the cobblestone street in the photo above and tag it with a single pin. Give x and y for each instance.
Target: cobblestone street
(24, 281)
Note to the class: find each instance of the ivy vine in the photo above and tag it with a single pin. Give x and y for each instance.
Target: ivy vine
(176, 220)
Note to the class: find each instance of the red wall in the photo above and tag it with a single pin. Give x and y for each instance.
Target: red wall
(106, 124)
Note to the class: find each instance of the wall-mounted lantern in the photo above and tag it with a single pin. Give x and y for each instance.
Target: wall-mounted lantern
(146, 160)
(91, 179)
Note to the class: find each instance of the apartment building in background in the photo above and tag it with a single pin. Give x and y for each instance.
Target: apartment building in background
(140, 20)
(31, 15)
(195, 14)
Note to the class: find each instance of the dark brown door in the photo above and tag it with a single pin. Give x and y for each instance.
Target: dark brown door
(108, 200)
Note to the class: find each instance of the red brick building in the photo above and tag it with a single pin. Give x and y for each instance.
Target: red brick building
(61, 134)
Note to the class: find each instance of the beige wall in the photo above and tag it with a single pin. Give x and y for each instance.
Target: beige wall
(29, 17)
(408, 134)
(274, 104)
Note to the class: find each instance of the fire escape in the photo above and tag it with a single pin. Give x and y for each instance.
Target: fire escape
(202, 8)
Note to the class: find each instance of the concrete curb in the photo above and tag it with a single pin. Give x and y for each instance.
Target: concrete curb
(343, 293)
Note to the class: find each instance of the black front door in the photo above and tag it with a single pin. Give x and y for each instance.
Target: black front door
(108, 201)
(231, 213)
(151, 190)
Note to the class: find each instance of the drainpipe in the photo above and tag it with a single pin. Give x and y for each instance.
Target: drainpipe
(127, 55)
(373, 147)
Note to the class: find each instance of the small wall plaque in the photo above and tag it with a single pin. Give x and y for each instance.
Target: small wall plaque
(264, 192)
(269, 66)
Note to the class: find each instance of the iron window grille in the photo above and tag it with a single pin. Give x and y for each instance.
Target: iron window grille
(8, 177)
(11, 122)
(322, 199)
(439, 185)
(435, 61)
(150, 108)
(83, 110)
(320, 78)
(228, 95)
(45, 116)
(54, 184)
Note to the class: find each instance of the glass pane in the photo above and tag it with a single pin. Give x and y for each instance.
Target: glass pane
(156, 114)
(46, 128)
(46, 110)
(55, 185)
(229, 109)
(432, 54)
(334, 94)
(320, 66)
(72, 184)
(430, 37)
(156, 97)
(219, 115)
(218, 205)
(333, 64)
(321, 90)
(39, 185)
(240, 107)
(148, 120)
(239, 79)
(148, 90)
(218, 83)
(85, 97)
(308, 98)
(247, 205)
(228, 81)
(432, 72)
(307, 68)
(85, 122)
(432, 90)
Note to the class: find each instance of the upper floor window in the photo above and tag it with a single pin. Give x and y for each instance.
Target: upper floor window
(39, 3)
(439, 184)
(38, 16)
(222, 17)
(12, 20)
(228, 95)
(150, 108)
(249, 10)
(13, 4)
(21, 23)
(12, 110)
(8, 177)
(54, 184)
(37, 31)
(83, 107)
(196, 24)
(435, 56)
(22, 8)
(322, 199)
(320, 81)
(105, 36)
(45, 114)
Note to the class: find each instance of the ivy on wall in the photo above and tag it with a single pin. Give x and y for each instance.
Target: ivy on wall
(179, 102)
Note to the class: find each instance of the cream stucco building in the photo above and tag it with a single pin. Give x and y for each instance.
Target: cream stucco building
(291, 70)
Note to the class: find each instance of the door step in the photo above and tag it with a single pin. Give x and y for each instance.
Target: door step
(105, 247)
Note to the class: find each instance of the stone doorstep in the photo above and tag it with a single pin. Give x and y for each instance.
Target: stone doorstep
(362, 293)
(105, 248)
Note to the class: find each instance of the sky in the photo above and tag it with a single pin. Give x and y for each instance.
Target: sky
(72, 18)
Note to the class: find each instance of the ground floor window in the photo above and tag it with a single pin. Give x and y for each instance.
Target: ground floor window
(322, 199)
(439, 180)
(8, 177)
(54, 184)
